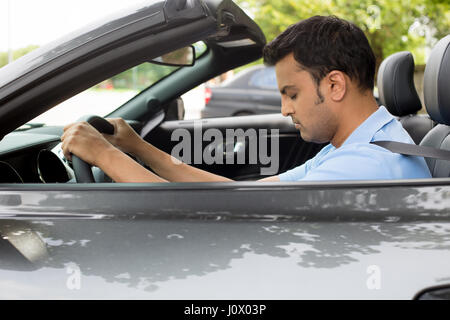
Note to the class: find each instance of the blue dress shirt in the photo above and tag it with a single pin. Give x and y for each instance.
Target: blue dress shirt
(357, 159)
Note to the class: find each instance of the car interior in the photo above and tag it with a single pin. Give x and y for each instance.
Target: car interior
(397, 93)
(151, 114)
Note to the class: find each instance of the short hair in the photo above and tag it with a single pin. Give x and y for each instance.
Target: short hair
(324, 43)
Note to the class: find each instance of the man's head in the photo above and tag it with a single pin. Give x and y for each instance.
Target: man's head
(318, 61)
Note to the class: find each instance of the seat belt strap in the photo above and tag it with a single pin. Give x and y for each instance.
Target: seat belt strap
(413, 150)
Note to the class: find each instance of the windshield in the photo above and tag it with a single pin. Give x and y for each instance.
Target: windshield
(107, 96)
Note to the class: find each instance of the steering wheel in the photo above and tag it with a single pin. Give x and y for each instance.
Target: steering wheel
(82, 169)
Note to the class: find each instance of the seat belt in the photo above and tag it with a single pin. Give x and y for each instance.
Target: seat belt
(408, 149)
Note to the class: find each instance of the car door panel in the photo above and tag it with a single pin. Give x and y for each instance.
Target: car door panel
(190, 239)
(292, 150)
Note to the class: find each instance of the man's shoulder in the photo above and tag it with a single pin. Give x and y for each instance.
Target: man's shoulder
(393, 131)
(368, 154)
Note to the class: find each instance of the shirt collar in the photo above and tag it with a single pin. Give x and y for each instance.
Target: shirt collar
(366, 130)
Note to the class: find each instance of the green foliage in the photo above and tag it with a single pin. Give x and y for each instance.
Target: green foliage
(390, 26)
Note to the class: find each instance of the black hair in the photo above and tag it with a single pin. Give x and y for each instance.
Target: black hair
(324, 43)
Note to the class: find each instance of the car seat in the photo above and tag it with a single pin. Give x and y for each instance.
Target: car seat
(398, 94)
(437, 103)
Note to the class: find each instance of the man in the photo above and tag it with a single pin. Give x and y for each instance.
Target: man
(325, 71)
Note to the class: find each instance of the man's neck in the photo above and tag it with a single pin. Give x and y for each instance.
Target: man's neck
(352, 115)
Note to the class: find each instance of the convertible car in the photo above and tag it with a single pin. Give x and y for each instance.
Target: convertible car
(62, 237)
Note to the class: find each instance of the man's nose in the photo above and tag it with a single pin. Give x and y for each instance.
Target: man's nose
(286, 108)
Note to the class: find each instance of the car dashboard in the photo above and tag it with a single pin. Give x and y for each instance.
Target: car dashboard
(33, 158)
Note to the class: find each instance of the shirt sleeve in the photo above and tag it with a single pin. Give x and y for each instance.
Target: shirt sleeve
(295, 174)
(298, 173)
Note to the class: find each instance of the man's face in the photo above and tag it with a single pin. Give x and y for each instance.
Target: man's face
(300, 100)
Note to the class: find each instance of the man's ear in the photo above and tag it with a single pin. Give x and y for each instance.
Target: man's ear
(337, 83)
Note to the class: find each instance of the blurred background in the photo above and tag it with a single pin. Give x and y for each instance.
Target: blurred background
(391, 26)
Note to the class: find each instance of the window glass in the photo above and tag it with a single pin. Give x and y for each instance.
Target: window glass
(228, 94)
(110, 94)
(264, 78)
(106, 96)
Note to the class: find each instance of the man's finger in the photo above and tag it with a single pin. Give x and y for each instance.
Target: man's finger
(69, 126)
(67, 132)
(66, 152)
(63, 137)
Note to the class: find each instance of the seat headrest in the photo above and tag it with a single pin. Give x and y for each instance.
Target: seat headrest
(395, 83)
(436, 82)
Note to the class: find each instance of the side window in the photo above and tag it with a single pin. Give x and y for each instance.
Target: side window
(264, 78)
(228, 94)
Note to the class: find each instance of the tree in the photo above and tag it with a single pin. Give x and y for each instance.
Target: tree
(390, 26)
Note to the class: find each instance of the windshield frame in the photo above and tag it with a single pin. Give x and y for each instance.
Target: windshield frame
(201, 50)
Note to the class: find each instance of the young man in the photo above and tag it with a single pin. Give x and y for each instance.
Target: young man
(325, 71)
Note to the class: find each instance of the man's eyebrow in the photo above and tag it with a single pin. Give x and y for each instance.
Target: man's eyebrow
(283, 90)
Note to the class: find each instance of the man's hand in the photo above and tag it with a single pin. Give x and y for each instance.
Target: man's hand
(84, 141)
(124, 138)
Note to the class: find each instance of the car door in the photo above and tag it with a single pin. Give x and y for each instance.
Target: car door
(369, 240)
(264, 141)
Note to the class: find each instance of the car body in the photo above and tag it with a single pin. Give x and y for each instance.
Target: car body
(251, 91)
(234, 240)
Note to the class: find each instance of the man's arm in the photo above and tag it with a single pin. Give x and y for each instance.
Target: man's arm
(165, 165)
(174, 170)
(107, 153)
(83, 140)
(270, 179)
(170, 168)
(122, 169)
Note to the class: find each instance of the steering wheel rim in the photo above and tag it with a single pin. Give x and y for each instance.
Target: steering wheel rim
(82, 169)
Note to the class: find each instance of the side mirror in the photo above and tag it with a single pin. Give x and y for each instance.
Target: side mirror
(175, 110)
(184, 57)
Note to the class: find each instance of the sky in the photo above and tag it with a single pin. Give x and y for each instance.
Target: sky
(40, 22)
